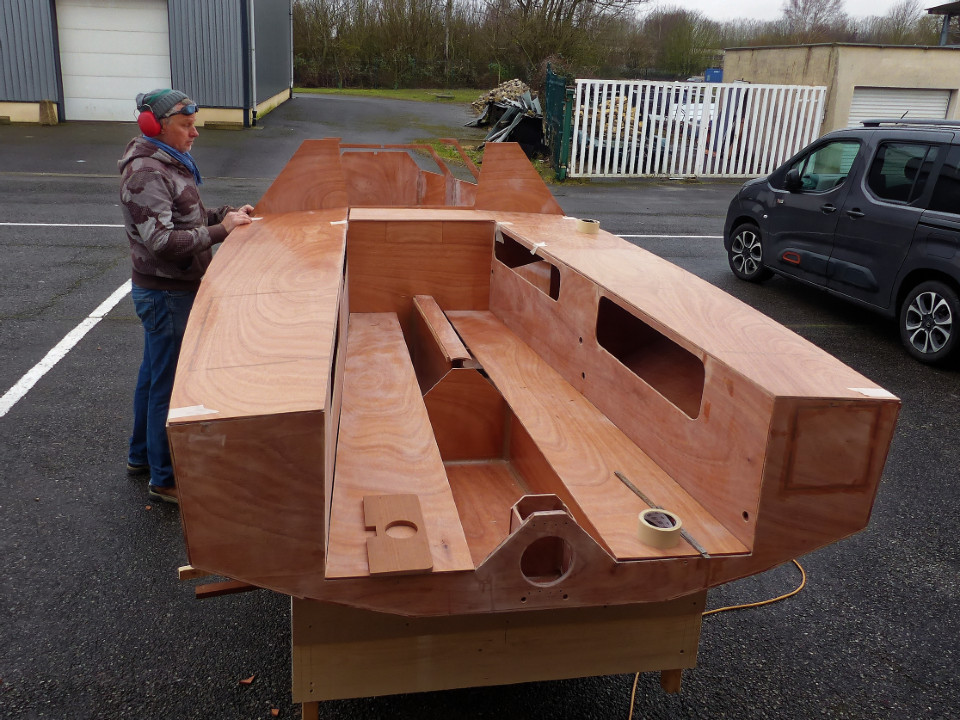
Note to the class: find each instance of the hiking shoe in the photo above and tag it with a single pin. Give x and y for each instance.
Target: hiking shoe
(137, 470)
(166, 493)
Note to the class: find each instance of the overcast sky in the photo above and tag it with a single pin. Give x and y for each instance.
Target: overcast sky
(771, 9)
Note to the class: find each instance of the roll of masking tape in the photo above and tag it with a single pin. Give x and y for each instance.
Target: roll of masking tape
(590, 227)
(659, 528)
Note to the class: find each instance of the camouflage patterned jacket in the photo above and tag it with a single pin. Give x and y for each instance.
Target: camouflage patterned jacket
(171, 234)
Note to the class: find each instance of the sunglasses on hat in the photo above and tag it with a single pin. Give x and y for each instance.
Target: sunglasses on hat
(185, 110)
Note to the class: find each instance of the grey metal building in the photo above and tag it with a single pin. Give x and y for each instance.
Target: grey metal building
(88, 59)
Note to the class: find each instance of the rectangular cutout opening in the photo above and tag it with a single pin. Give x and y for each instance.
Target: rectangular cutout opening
(670, 369)
(543, 275)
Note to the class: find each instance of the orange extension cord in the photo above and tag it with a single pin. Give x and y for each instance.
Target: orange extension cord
(803, 582)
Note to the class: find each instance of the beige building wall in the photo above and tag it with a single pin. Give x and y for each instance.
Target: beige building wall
(843, 67)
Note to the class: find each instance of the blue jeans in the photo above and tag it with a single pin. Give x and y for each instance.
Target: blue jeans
(164, 316)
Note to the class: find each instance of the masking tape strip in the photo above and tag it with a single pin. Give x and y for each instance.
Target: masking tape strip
(873, 392)
(590, 227)
(659, 528)
(338, 222)
(533, 250)
(191, 411)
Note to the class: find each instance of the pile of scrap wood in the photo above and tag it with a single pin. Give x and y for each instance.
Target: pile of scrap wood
(513, 114)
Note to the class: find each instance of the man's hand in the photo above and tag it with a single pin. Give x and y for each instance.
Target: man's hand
(236, 218)
(248, 209)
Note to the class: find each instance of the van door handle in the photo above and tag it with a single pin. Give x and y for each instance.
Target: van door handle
(855, 213)
(828, 208)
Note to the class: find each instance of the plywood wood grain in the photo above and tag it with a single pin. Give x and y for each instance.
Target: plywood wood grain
(468, 416)
(434, 344)
(251, 498)
(381, 178)
(342, 652)
(584, 447)
(484, 493)
(392, 262)
(386, 446)
(260, 336)
(509, 182)
(399, 545)
(311, 180)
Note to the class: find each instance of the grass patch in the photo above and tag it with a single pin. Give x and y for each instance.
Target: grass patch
(455, 96)
(449, 152)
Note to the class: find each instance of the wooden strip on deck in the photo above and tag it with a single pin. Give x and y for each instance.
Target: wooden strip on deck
(386, 447)
(585, 448)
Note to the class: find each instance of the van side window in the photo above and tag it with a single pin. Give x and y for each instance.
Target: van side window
(827, 166)
(946, 193)
(899, 171)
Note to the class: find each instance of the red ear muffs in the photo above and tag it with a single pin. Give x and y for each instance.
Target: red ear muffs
(149, 124)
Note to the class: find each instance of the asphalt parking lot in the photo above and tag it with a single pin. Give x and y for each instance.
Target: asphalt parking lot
(95, 624)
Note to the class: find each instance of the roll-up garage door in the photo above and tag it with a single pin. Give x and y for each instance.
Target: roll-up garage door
(110, 50)
(874, 102)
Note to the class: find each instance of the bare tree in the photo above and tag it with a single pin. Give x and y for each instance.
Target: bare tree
(810, 20)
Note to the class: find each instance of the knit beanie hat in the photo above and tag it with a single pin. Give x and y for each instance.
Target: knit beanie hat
(160, 102)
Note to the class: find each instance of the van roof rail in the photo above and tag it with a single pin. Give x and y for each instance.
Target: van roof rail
(877, 122)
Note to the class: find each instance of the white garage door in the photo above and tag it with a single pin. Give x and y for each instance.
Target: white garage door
(110, 50)
(873, 102)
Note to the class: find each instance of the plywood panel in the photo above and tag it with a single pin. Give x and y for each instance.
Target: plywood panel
(508, 182)
(689, 309)
(484, 493)
(584, 447)
(399, 545)
(441, 329)
(392, 262)
(468, 416)
(386, 446)
(260, 335)
(342, 652)
(251, 498)
(379, 179)
(805, 503)
(280, 253)
(312, 180)
(434, 344)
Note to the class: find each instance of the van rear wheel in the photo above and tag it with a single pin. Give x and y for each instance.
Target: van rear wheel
(930, 323)
(746, 254)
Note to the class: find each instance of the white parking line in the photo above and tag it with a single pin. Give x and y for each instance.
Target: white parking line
(89, 225)
(13, 395)
(693, 237)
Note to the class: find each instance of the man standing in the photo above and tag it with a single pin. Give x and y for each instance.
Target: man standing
(171, 238)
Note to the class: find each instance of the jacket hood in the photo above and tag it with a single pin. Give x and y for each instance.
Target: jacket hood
(140, 147)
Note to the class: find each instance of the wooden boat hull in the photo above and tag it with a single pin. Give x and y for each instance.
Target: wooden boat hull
(403, 392)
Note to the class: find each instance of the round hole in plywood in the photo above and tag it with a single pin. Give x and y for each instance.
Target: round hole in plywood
(400, 529)
(546, 561)
(746, 516)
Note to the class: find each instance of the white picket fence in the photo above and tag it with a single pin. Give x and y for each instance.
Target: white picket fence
(638, 128)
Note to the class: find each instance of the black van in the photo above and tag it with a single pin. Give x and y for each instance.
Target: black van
(871, 214)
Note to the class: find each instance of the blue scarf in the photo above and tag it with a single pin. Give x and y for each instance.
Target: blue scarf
(183, 157)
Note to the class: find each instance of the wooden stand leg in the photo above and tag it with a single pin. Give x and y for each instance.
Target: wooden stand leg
(310, 711)
(670, 680)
